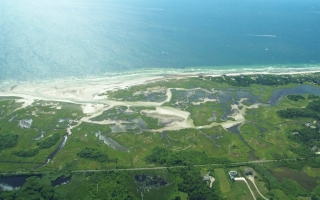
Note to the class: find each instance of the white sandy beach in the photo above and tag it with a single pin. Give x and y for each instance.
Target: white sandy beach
(85, 92)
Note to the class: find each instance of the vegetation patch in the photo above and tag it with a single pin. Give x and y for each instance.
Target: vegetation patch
(168, 157)
(295, 97)
(93, 154)
(224, 183)
(8, 141)
(308, 133)
(26, 153)
(192, 183)
(49, 142)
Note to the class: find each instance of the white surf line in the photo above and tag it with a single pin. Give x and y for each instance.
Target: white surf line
(155, 9)
(262, 35)
(265, 36)
(243, 179)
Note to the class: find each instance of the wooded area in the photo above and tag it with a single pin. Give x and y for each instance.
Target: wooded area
(8, 141)
(49, 142)
(93, 154)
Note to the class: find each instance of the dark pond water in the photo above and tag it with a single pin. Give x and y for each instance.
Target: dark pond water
(224, 97)
(235, 129)
(251, 99)
(149, 181)
(224, 117)
(301, 177)
(61, 145)
(61, 181)
(301, 89)
(51, 156)
(13, 182)
(164, 136)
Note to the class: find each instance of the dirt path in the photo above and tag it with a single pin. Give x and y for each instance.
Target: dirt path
(212, 180)
(251, 178)
(243, 179)
(152, 168)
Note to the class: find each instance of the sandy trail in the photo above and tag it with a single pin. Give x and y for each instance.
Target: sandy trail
(238, 116)
(243, 179)
(212, 180)
(251, 178)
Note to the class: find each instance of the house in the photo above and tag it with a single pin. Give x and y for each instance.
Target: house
(233, 174)
(206, 177)
(314, 149)
(250, 172)
(307, 125)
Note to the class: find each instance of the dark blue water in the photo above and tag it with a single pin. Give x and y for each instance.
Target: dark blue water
(45, 39)
(61, 181)
(14, 182)
(279, 94)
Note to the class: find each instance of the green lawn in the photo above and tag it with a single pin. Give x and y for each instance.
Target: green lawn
(223, 180)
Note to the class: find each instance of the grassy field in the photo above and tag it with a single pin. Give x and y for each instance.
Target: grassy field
(223, 180)
(227, 145)
(262, 132)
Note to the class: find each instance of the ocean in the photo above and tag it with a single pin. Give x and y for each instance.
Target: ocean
(57, 39)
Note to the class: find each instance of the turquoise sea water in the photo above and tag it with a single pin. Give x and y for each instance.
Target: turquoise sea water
(46, 39)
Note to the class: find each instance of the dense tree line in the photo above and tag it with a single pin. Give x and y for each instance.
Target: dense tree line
(295, 97)
(8, 141)
(168, 157)
(26, 153)
(312, 110)
(93, 154)
(110, 185)
(49, 142)
(298, 164)
(11, 140)
(116, 186)
(265, 79)
(314, 105)
(262, 79)
(289, 187)
(33, 189)
(307, 136)
(291, 113)
(311, 96)
(44, 144)
(191, 182)
(107, 185)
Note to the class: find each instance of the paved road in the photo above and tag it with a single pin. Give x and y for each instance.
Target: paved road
(243, 179)
(251, 178)
(153, 168)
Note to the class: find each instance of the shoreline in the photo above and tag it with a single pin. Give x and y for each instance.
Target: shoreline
(86, 90)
